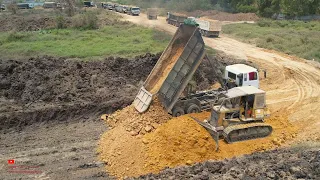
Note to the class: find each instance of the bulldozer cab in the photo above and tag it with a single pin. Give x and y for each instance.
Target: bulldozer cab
(247, 101)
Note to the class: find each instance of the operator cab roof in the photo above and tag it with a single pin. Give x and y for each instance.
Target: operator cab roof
(240, 68)
(243, 91)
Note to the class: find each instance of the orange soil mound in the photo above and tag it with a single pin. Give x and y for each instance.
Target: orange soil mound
(137, 123)
(181, 141)
(124, 153)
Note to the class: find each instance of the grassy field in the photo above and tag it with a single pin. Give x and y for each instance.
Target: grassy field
(291, 37)
(123, 40)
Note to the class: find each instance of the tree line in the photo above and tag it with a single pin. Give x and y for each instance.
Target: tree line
(265, 8)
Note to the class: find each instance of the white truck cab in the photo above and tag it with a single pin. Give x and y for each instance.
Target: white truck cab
(241, 75)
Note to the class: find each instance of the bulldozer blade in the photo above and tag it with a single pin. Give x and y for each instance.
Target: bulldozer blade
(213, 132)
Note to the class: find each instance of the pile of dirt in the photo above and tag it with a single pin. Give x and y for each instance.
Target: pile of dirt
(276, 164)
(180, 141)
(123, 154)
(26, 23)
(137, 123)
(224, 16)
(46, 88)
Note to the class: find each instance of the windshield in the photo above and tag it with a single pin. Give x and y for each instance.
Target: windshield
(136, 9)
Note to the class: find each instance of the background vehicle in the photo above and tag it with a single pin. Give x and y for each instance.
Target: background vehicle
(88, 4)
(110, 6)
(124, 9)
(120, 9)
(2, 7)
(134, 11)
(208, 27)
(152, 13)
(24, 6)
(47, 5)
(115, 7)
(175, 18)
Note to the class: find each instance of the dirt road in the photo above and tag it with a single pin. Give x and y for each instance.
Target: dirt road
(292, 84)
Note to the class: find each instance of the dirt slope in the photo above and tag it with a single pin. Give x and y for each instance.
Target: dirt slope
(277, 164)
(292, 84)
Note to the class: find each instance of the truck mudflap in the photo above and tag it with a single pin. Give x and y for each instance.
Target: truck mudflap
(174, 69)
(142, 100)
(243, 132)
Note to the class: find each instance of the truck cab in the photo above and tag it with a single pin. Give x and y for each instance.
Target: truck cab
(134, 11)
(241, 75)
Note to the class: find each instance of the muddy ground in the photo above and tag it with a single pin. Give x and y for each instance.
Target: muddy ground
(276, 164)
(50, 114)
(50, 110)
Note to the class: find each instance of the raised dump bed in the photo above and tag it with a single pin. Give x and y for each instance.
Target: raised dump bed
(173, 70)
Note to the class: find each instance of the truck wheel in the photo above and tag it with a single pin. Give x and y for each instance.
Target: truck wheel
(177, 111)
(205, 33)
(193, 108)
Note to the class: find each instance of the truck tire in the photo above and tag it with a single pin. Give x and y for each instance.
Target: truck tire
(177, 111)
(205, 33)
(193, 108)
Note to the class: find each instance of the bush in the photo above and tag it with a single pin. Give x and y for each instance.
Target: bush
(264, 23)
(246, 9)
(87, 20)
(13, 8)
(15, 36)
(60, 22)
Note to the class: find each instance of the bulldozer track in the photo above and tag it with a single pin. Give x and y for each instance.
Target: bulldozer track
(243, 132)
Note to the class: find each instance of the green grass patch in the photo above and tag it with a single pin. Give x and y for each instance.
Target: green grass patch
(292, 37)
(118, 40)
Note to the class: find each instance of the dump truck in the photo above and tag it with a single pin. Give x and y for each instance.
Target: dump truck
(175, 18)
(152, 13)
(208, 27)
(173, 70)
(240, 116)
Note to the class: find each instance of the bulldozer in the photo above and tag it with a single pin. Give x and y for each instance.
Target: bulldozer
(237, 114)
(239, 117)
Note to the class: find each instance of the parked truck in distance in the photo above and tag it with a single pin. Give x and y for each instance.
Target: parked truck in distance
(152, 13)
(2, 7)
(24, 6)
(175, 18)
(134, 11)
(88, 4)
(208, 27)
(54, 5)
